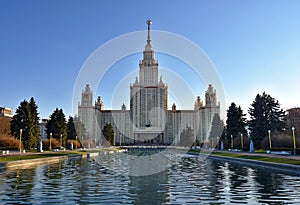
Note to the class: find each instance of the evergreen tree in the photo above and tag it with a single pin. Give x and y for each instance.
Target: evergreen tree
(108, 133)
(26, 118)
(35, 128)
(224, 137)
(265, 114)
(80, 130)
(216, 131)
(57, 126)
(71, 130)
(235, 122)
(20, 120)
(293, 120)
(187, 137)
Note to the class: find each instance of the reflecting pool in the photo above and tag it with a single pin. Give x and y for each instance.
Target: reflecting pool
(188, 180)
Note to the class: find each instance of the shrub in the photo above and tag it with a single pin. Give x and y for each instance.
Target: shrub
(4, 125)
(8, 142)
(54, 144)
(237, 143)
(279, 141)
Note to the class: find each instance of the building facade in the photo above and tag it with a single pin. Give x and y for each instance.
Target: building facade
(6, 112)
(42, 126)
(148, 121)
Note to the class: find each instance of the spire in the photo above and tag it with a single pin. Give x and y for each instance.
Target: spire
(148, 52)
(149, 22)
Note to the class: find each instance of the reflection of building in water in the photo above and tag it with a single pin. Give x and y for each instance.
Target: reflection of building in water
(148, 121)
(148, 189)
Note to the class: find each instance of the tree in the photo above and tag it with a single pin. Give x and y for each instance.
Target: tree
(34, 121)
(57, 126)
(26, 118)
(235, 122)
(20, 120)
(293, 120)
(224, 138)
(71, 130)
(108, 133)
(216, 131)
(265, 114)
(80, 130)
(187, 137)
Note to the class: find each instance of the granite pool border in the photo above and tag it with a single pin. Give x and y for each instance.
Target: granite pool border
(28, 163)
(290, 168)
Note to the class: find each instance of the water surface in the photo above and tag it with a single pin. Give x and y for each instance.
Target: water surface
(187, 180)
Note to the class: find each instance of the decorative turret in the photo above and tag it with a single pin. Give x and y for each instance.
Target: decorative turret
(173, 107)
(210, 96)
(198, 103)
(123, 107)
(99, 104)
(87, 96)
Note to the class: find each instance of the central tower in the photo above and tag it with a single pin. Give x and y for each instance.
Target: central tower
(148, 66)
(148, 99)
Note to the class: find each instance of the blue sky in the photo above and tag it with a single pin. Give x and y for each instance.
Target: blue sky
(255, 45)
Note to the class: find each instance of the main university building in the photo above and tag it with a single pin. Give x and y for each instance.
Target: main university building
(148, 121)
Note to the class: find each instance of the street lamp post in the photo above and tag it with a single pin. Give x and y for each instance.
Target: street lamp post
(76, 142)
(242, 141)
(120, 140)
(60, 140)
(50, 147)
(270, 140)
(294, 139)
(20, 143)
(114, 141)
(231, 142)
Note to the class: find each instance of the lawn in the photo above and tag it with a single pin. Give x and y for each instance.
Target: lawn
(258, 158)
(34, 155)
(7, 158)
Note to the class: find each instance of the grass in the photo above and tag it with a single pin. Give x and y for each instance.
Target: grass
(32, 154)
(7, 158)
(259, 158)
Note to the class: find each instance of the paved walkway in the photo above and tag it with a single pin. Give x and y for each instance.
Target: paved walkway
(277, 155)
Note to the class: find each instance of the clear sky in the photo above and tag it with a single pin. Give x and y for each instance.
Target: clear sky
(255, 45)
